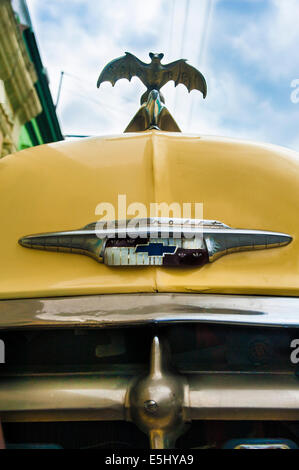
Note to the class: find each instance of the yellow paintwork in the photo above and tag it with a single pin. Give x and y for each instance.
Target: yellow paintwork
(58, 186)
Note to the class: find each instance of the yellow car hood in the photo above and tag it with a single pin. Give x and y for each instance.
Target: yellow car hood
(58, 187)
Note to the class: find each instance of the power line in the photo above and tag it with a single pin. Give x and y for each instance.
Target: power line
(208, 15)
(91, 87)
(80, 79)
(99, 103)
(187, 8)
(59, 88)
(85, 96)
(183, 40)
(171, 30)
(203, 45)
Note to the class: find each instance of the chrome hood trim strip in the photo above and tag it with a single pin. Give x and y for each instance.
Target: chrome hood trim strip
(117, 310)
(126, 243)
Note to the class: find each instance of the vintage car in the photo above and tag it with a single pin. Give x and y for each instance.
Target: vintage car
(155, 339)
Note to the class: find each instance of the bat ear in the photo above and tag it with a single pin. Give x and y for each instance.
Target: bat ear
(151, 55)
(161, 56)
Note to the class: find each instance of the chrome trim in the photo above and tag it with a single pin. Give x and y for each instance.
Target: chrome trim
(244, 397)
(160, 400)
(220, 243)
(117, 310)
(213, 237)
(142, 228)
(99, 397)
(85, 396)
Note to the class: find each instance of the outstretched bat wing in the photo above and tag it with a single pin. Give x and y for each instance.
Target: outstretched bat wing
(181, 72)
(127, 66)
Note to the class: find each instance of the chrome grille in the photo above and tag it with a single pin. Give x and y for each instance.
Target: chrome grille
(115, 371)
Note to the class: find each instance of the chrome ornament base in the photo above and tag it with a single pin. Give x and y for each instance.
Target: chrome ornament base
(156, 401)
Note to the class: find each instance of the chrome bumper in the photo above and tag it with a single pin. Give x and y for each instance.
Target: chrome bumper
(100, 398)
(117, 310)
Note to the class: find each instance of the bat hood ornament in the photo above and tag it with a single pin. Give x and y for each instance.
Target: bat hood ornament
(153, 113)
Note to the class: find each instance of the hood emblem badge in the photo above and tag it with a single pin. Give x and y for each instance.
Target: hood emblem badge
(156, 242)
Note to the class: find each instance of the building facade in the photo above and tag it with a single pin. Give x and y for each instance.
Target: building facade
(27, 112)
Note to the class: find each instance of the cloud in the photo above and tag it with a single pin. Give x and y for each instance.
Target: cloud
(271, 41)
(80, 37)
(249, 94)
(247, 51)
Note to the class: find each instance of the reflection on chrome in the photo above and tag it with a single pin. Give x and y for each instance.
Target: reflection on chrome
(156, 242)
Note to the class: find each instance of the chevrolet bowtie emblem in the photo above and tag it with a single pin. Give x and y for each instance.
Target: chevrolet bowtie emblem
(156, 242)
(156, 249)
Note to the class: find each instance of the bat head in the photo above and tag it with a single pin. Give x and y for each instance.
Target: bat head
(156, 58)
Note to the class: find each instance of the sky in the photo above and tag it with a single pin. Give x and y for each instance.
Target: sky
(247, 50)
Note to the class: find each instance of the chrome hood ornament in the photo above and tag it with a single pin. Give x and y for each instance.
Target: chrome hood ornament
(156, 242)
(153, 114)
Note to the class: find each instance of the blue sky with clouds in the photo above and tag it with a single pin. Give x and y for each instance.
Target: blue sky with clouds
(247, 49)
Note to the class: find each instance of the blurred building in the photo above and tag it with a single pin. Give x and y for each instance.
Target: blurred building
(27, 112)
